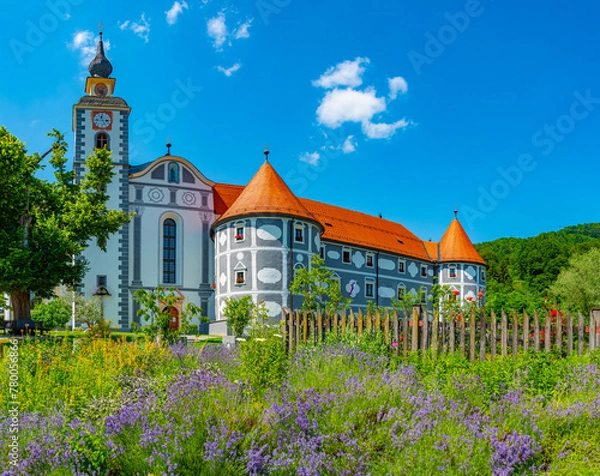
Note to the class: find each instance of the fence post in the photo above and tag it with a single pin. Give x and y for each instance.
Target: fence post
(377, 321)
(462, 333)
(291, 331)
(472, 326)
(569, 334)
(405, 333)
(482, 336)
(297, 326)
(504, 335)
(558, 330)
(434, 333)
(396, 333)
(415, 328)
(580, 338)
(515, 336)
(386, 327)
(360, 322)
(425, 330)
(525, 331)
(596, 314)
(536, 331)
(451, 334)
(493, 337)
(548, 333)
(284, 328)
(343, 321)
(304, 327)
(592, 331)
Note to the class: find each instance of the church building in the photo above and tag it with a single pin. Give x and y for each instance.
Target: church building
(212, 241)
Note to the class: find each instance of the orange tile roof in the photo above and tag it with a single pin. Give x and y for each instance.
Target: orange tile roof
(433, 250)
(266, 193)
(355, 228)
(224, 196)
(455, 245)
(347, 226)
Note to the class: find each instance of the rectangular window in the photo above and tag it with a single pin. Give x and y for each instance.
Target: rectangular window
(482, 274)
(423, 270)
(240, 278)
(370, 260)
(322, 252)
(240, 233)
(100, 281)
(401, 292)
(369, 287)
(401, 265)
(169, 239)
(299, 234)
(346, 256)
(204, 201)
(452, 271)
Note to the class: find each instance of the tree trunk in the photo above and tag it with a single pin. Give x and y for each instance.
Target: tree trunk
(21, 305)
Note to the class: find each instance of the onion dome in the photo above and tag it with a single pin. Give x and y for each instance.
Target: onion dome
(100, 67)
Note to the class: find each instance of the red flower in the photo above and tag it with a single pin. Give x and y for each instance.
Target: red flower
(456, 293)
(469, 298)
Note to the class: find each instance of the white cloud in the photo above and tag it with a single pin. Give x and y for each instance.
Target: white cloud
(229, 71)
(347, 73)
(348, 105)
(242, 31)
(349, 145)
(311, 158)
(141, 28)
(86, 45)
(382, 130)
(174, 12)
(217, 30)
(397, 85)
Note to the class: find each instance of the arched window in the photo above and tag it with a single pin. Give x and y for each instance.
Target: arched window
(102, 141)
(169, 250)
(173, 175)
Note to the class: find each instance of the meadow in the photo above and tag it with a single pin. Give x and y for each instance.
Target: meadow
(344, 407)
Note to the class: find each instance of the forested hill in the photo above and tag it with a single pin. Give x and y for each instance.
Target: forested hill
(522, 269)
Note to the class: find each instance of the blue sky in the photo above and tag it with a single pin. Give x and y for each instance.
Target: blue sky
(408, 109)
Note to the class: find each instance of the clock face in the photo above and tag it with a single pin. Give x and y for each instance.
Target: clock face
(102, 120)
(101, 89)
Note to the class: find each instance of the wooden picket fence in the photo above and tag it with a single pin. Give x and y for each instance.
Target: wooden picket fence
(473, 333)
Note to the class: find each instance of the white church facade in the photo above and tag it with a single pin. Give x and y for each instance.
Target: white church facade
(213, 241)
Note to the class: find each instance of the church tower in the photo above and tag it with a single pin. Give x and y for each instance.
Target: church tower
(101, 120)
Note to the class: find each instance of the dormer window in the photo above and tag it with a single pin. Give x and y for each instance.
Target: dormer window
(173, 174)
(102, 141)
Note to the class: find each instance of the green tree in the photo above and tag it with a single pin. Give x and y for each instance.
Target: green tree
(239, 312)
(154, 307)
(318, 288)
(44, 224)
(52, 314)
(578, 286)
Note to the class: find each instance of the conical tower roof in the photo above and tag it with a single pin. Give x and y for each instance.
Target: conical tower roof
(267, 194)
(455, 245)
